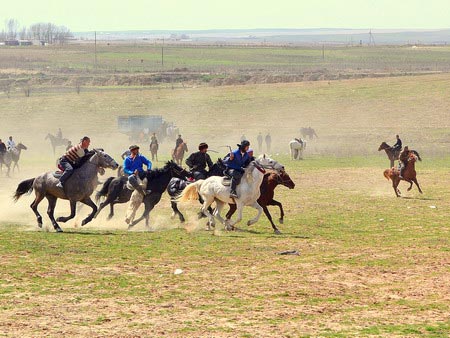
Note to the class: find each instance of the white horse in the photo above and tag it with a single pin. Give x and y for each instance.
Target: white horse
(296, 147)
(212, 190)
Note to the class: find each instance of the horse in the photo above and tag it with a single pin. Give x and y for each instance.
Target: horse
(213, 190)
(178, 153)
(296, 147)
(79, 187)
(310, 132)
(154, 151)
(56, 141)
(177, 185)
(157, 182)
(393, 154)
(12, 156)
(409, 174)
(268, 185)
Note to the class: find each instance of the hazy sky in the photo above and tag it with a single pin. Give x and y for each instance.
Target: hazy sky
(88, 15)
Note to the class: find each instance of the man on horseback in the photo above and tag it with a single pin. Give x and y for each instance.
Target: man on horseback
(235, 162)
(133, 167)
(10, 144)
(398, 145)
(404, 156)
(59, 134)
(154, 140)
(2, 148)
(197, 162)
(71, 158)
(178, 141)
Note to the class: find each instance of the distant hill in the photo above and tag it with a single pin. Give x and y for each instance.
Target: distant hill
(282, 36)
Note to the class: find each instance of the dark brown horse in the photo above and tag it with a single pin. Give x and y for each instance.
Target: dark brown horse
(178, 153)
(268, 185)
(154, 151)
(392, 154)
(409, 174)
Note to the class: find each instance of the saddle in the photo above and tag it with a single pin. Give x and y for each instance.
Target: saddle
(58, 173)
(226, 181)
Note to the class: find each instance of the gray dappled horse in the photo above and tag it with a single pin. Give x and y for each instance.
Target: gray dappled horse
(56, 141)
(12, 156)
(79, 187)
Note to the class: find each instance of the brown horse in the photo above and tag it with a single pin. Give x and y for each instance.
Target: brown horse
(392, 154)
(178, 153)
(409, 174)
(154, 151)
(268, 185)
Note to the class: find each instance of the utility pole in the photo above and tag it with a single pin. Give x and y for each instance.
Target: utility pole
(162, 54)
(371, 39)
(95, 49)
(323, 52)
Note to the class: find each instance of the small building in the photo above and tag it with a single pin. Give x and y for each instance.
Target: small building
(25, 43)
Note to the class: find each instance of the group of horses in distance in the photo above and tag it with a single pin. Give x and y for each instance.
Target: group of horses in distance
(11, 157)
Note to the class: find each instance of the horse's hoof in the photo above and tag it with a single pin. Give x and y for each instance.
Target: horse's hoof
(277, 232)
(281, 221)
(85, 221)
(58, 229)
(40, 225)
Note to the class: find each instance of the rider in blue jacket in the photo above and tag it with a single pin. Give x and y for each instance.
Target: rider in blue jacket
(236, 162)
(133, 167)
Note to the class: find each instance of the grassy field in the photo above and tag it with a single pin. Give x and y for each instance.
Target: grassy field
(369, 265)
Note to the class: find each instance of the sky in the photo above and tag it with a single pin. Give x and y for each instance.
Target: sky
(119, 15)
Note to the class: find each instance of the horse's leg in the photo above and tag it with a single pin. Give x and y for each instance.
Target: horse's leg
(219, 207)
(260, 210)
(239, 208)
(205, 210)
(73, 205)
(231, 211)
(417, 183)
(176, 211)
(90, 203)
(269, 216)
(395, 183)
(50, 211)
(39, 197)
(273, 202)
(111, 210)
(410, 184)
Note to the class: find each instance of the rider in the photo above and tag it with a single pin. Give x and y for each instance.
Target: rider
(71, 158)
(133, 167)
(235, 163)
(404, 155)
(398, 145)
(154, 140)
(197, 162)
(2, 147)
(178, 142)
(59, 134)
(10, 144)
(69, 145)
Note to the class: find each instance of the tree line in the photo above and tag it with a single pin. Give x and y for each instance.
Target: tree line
(47, 32)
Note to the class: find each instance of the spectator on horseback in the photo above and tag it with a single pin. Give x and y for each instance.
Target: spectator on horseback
(268, 140)
(59, 134)
(71, 158)
(133, 167)
(154, 140)
(178, 142)
(398, 145)
(404, 156)
(2, 147)
(260, 141)
(198, 161)
(236, 162)
(10, 144)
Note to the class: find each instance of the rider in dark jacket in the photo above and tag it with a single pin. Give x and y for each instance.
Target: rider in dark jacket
(198, 161)
(236, 162)
(398, 145)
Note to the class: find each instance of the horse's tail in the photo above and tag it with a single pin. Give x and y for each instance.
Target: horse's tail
(190, 193)
(387, 174)
(24, 187)
(104, 190)
(417, 154)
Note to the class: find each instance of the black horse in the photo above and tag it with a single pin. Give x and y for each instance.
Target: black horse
(116, 191)
(177, 185)
(157, 182)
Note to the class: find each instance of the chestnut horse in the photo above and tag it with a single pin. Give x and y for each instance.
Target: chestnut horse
(268, 185)
(178, 153)
(409, 174)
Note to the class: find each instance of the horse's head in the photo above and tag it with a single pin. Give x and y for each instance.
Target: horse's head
(268, 163)
(21, 146)
(412, 157)
(176, 170)
(104, 160)
(284, 179)
(383, 146)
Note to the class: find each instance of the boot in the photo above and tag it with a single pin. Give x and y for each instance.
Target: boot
(233, 193)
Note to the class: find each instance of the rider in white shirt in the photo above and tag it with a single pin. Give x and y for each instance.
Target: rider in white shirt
(10, 144)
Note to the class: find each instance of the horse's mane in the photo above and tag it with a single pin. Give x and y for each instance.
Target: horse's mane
(85, 158)
(159, 171)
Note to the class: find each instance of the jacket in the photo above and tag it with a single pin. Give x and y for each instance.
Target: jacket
(130, 164)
